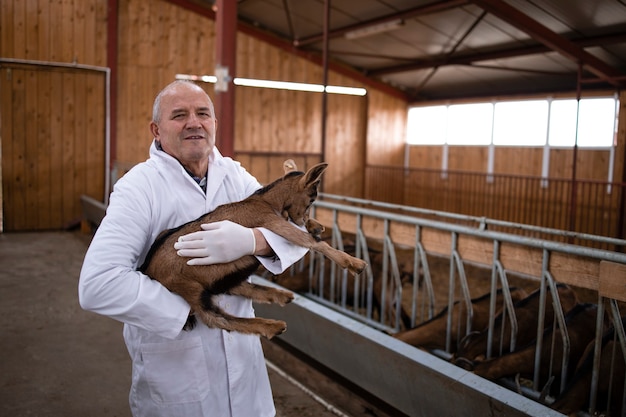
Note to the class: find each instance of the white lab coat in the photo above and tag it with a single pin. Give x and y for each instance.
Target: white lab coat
(203, 372)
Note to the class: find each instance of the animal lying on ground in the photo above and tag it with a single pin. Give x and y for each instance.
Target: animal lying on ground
(473, 347)
(431, 334)
(579, 321)
(272, 207)
(610, 388)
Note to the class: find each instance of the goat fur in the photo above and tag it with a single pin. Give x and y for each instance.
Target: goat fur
(289, 198)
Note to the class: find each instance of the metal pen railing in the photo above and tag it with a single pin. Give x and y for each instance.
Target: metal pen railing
(378, 232)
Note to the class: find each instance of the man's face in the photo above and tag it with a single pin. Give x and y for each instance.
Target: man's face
(187, 126)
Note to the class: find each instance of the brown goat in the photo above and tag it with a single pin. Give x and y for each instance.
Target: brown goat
(579, 320)
(610, 387)
(431, 334)
(473, 347)
(271, 207)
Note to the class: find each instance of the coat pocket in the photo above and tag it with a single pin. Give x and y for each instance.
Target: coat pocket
(174, 371)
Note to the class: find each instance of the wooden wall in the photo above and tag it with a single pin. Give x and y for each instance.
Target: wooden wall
(514, 191)
(63, 110)
(591, 164)
(52, 125)
(158, 39)
(386, 129)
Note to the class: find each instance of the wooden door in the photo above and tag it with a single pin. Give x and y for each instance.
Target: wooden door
(52, 134)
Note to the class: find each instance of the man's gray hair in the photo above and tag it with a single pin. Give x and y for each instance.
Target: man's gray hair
(156, 107)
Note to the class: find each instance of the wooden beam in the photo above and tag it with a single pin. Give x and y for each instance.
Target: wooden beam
(613, 280)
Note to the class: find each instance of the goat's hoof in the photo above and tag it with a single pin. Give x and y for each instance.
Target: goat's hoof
(358, 266)
(276, 328)
(284, 297)
(315, 229)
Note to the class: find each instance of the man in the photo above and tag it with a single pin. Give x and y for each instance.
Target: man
(205, 371)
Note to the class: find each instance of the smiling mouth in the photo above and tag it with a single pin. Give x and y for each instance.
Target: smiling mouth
(194, 137)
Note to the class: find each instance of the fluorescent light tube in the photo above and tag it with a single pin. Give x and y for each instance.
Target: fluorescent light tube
(282, 85)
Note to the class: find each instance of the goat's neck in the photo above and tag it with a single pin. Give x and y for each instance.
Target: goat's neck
(275, 201)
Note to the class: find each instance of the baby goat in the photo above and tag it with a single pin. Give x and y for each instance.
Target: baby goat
(288, 198)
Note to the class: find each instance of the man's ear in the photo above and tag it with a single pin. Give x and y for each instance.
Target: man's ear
(154, 129)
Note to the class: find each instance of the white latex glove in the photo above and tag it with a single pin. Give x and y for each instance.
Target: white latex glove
(216, 243)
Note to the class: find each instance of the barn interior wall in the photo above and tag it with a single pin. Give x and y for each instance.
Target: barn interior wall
(460, 179)
(386, 129)
(591, 164)
(53, 129)
(159, 39)
(269, 124)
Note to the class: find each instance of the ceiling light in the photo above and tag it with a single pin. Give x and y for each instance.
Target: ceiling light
(374, 29)
(281, 85)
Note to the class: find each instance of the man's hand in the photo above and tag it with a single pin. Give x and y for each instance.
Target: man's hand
(217, 243)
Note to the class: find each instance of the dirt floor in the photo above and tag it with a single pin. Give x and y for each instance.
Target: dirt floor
(58, 360)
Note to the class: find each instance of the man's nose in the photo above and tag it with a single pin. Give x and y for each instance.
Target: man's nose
(193, 121)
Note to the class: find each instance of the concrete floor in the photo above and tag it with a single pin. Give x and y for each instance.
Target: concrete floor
(59, 360)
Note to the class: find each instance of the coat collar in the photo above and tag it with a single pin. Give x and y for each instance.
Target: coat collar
(218, 168)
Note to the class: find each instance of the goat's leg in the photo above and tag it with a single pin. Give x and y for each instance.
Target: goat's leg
(262, 294)
(304, 239)
(218, 318)
(354, 265)
(201, 302)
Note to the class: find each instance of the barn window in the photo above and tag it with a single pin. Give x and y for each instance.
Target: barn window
(427, 125)
(549, 122)
(472, 124)
(520, 123)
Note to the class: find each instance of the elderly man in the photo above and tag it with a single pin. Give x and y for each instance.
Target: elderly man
(204, 371)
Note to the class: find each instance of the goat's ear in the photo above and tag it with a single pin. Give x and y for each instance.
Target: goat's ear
(289, 166)
(312, 176)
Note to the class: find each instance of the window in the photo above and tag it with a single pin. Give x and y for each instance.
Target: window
(472, 124)
(427, 125)
(520, 123)
(596, 124)
(516, 123)
(562, 122)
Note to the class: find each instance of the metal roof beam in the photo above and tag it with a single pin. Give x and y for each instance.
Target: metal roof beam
(551, 39)
(467, 59)
(437, 6)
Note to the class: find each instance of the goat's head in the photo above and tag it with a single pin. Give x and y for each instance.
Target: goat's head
(304, 192)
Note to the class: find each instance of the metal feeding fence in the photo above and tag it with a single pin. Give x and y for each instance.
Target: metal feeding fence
(582, 206)
(402, 287)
